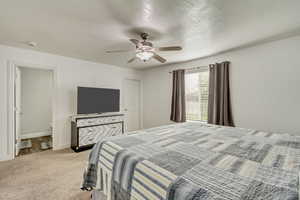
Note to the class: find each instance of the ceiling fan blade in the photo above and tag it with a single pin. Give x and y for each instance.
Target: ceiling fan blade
(135, 41)
(159, 58)
(131, 60)
(118, 51)
(172, 48)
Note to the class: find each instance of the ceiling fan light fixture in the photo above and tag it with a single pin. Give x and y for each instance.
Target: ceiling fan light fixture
(145, 50)
(144, 55)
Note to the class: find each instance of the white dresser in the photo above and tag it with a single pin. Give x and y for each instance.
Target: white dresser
(89, 129)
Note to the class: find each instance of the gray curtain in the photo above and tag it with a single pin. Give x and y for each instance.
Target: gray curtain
(219, 105)
(178, 97)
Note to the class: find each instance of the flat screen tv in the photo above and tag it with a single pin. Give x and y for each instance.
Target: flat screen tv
(97, 100)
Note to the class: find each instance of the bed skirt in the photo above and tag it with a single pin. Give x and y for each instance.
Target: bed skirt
(98, 195)
(103, 185)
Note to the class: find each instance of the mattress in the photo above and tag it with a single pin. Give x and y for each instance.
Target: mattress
(191, 161)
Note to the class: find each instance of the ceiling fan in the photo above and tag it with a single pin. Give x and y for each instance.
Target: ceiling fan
(145, 50)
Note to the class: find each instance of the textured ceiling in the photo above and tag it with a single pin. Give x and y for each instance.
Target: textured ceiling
(86, 29)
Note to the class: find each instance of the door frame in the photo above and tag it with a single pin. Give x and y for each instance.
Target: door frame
(17, 111)
(141, 98)
(11, 131)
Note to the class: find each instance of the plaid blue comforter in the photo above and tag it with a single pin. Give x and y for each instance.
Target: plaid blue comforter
(192, 161)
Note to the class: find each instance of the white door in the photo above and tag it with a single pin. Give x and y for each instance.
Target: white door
(18, 110)
(132, 104)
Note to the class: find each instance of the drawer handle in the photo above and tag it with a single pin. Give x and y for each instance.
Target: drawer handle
(113, 127)
(91, 139)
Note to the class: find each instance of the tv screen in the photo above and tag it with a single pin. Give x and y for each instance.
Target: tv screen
(97, 100)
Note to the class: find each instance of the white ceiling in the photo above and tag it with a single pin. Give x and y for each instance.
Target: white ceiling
(86, 29)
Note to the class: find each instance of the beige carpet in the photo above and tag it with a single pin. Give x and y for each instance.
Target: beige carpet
(55, 175)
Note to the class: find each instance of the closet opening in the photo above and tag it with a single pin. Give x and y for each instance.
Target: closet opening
(33, 103)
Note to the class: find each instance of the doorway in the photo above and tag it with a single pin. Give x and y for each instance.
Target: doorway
(132, 104)
(33, 110)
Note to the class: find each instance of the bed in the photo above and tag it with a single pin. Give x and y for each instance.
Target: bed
(195, 161)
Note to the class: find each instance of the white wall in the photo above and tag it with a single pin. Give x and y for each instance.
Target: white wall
(69, 73)
(265, 87)
(36, 100)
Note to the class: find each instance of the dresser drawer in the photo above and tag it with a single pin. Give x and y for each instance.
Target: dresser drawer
(91, 135)
(98, 121)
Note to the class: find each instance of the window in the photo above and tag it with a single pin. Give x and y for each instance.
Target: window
(196, 88)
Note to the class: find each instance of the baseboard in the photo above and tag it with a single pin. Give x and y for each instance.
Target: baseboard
(6, 157)
(35, 134)
(66, 146)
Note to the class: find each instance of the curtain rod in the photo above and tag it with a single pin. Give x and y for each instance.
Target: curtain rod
(192, 68)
